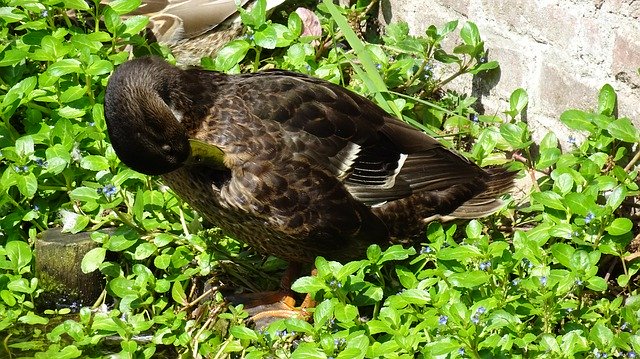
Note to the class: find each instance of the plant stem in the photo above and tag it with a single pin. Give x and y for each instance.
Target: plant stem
(633, 161)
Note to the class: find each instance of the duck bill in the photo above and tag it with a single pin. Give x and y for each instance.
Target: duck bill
(203, 154)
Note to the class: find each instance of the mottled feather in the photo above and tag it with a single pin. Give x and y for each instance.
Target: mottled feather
(310, 168)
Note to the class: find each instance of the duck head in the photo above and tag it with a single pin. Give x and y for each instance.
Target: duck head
(142, 111)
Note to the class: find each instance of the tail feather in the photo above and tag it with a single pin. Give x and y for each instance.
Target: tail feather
(488, 201)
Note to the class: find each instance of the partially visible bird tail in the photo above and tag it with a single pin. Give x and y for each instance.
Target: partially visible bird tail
(487, 202)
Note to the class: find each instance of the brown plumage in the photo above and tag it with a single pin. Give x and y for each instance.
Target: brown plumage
(292, 165)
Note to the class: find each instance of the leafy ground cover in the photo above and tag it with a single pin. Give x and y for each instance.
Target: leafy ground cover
(552, 275)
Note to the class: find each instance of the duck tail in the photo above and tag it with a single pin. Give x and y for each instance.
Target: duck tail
(500, 181)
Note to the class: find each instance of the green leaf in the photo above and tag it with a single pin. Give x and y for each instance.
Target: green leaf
(112, 21)
(601, 335)
(616, 197)
(549, 199)
(323, 312)
(396, 253)
(99, 67)
(624, 130)
(256, 16)
(474, 229)
(135, 24)
(564, 183)
(299, 326)
(513, 134)
(93, 259)
(177, 293)
(122, 7)
(577, 120)
(76, 5)
(122, 287)
(24, 146)
(459, 253)
(309, 285)
(579, 203)
(84, 194)
(70, 112)
(563, 253)
(469, 279)
(27, 184)
(63, 67)
(307, 350)
(596, 283)
(416, 296)
(120, 242)
(32, 319)
(20, 285)
(619, 226)
(231, 54)
(144, 250)
(484, 67)
(73, 93)
(94, 163)
(470, 34)
(243, 333)
(8, 297)
(518, 100)
(606, 100)
(294, 23)
(266, 37)
(19, 254)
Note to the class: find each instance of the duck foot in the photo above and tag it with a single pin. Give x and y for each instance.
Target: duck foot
(266, 307)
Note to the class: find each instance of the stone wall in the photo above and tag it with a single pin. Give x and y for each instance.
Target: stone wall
(561, 51)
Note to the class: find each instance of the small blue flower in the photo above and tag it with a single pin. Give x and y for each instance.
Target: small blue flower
(92, 124)
(631, 354)
(578, 282)
(590, 216)
(572, 140)
(425, 249)
(44, 13)
(339, 342)
(515, 282)
(21, 169)
(481, 310)
(36, 207)
(543, 281)
(475, 319)
(624, 326)
(474, 117)
(108, 190)
(482, 60)
(443, 320)
(461, 351)
(485, 265)
(569, 310)
(40, 162)
(378, 66)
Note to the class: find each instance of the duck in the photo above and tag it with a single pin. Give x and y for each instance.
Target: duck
(194, 29)
(293, 166)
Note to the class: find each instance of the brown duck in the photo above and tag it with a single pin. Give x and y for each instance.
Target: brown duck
(294, 166)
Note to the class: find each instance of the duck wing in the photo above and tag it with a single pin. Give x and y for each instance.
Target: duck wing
(378, 158)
